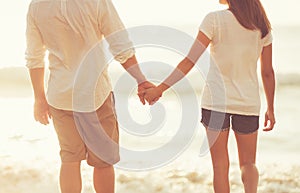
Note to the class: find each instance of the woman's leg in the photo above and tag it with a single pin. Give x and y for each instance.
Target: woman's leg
(219, 154)
(247, 154)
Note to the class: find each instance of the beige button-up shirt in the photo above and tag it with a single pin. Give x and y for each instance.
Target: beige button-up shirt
(72, 31)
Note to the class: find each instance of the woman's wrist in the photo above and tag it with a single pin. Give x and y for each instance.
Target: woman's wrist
(271, 109)
(162, 87)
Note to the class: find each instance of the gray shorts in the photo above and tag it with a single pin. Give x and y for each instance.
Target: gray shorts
(219, 121)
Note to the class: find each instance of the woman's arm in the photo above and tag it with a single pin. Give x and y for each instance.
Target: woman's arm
(199, 46)
(268, 78)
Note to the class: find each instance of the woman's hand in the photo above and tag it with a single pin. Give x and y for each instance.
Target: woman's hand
(269, 120)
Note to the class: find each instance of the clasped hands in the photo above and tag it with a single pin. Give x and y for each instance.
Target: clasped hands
(148, 92)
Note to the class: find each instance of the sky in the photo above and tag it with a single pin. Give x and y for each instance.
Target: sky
(133, 13)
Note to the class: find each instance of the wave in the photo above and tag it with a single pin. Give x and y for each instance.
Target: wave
(288, 79)
(15, 81)
(14, 76)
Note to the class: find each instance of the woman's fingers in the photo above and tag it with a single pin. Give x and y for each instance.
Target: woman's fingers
(269, 121)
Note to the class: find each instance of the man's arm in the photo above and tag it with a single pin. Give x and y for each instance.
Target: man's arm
(35, 53)
(41, 107)
(120, 45)
(132, 67)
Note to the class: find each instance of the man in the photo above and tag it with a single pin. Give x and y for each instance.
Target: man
(71, 31)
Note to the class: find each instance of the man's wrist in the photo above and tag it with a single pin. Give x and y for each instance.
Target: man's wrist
(140, 80)
(40, 97)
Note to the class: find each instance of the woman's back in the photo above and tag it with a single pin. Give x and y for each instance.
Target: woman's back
(233, 72)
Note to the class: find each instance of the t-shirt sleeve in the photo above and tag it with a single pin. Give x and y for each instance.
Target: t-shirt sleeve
(267, 40)
(207, 25)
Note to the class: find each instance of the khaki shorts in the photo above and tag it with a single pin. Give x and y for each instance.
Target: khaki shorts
(73, 147)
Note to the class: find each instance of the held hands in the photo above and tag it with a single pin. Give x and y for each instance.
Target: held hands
(142, 87)
(152, 95)
(149, 92)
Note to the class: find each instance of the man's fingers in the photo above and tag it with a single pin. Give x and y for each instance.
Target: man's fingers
(43, 118)
(142, 92)
(36, 117)
(49, 115)
(142, 99)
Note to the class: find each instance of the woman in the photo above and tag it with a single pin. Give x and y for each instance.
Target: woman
(238, 36)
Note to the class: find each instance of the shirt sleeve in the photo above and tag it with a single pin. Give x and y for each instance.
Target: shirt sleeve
(35, 51)
(268, 39)
(114, 32)
(207, 25)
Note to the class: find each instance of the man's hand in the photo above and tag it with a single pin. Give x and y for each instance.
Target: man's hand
(269, 121)
(142, 87)
(41, 111)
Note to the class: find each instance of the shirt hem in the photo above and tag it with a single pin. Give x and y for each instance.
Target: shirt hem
(68, 108)
(231, 111)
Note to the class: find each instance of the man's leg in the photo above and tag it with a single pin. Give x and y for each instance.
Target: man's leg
(104, 174)
(104, 179)
(70, 177)
(72, 151)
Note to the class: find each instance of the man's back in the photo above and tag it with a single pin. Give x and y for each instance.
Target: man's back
(68, 28)
(71, 30)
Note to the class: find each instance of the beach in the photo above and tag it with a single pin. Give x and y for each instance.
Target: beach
(29, 152)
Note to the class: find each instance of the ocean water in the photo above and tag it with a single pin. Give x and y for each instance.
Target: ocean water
(29, 151)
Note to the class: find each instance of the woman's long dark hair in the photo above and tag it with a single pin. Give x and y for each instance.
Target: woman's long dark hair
(250, 14)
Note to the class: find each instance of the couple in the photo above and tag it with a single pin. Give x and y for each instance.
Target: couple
(238, 37)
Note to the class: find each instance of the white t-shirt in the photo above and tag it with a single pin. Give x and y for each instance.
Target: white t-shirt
(231, 83)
